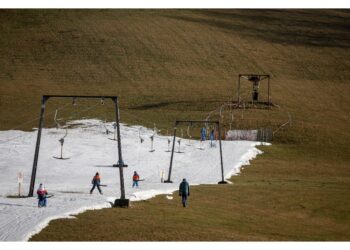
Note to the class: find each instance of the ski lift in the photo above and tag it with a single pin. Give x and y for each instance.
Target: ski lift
(179, 143)
(203, 136)
(107, 131)
(141, 139)
(169, 141)
(56, 120)
(201, 141)
(212, 137)
(155, 130)
(189, 134)
(61, 141)
(152, 138)
(207, 130)
(115, 130)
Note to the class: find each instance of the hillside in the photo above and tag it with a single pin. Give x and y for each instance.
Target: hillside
(168, 64)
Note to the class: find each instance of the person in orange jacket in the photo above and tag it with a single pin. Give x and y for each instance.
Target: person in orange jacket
(96, 181)
(135, 179)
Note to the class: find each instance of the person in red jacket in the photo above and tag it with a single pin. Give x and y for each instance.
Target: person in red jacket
(42, 193)
(135, 179)
(96, 181)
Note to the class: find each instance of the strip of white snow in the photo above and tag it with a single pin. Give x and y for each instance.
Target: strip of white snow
(89, 151)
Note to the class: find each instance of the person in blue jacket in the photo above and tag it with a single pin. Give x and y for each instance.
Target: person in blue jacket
(184, 191)
(203, 134)
(96, 181)
(211, 138)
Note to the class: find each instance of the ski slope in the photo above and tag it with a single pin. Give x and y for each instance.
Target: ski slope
(90, 151)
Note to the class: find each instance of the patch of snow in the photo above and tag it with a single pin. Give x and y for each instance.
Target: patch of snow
(90, 151)
(169, 197)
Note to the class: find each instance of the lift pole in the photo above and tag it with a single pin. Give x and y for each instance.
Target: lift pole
(172, 151)
(37, 147)
(172, 156)
(122, 202)
(119, 202)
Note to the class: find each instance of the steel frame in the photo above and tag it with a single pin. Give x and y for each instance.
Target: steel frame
(119, 202)
(261, 78)
(173, 147)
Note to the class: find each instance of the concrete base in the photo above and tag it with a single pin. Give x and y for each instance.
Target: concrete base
(222, 182)
(167, 181)
(121, 203)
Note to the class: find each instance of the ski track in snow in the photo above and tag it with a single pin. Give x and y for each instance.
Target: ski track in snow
(90, 151)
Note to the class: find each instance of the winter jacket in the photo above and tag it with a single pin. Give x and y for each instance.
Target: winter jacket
(212, 136)
(184, 188)
(96, 180)
(135, 177)
(41, 193)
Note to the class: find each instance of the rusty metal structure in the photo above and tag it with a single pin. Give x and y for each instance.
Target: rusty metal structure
(250, 114)
(256, 80)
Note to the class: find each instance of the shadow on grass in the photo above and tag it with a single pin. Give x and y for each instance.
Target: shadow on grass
(310, 28)
(174, 104)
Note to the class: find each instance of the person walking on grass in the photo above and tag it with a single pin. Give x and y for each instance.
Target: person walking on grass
(96, 181)
(135, 179)
(42, 194)
(184, 191)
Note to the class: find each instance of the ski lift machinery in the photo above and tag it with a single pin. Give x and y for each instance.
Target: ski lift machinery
(122, 201)
(61, 140)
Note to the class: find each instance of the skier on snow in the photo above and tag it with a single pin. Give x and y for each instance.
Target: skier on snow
(96, 183)
(203, 134)
(211, 138)
(42, 193)
(184, 191)
(135, 179)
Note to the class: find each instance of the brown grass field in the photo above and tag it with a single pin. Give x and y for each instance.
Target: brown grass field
(181, 64)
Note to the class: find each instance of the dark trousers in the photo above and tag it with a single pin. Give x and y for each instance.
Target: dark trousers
(42, 202)
(98, 187)
(184, 200)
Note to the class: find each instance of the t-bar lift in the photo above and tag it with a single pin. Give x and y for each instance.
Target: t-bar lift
(118, 202)
(173, 147)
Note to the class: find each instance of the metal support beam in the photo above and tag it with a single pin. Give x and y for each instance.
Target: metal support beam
(119, 202)
(268, 91)
(221, 161)
(82, 96)
(122, 202)
(172, 156)
(238, 89)
(37, 147)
